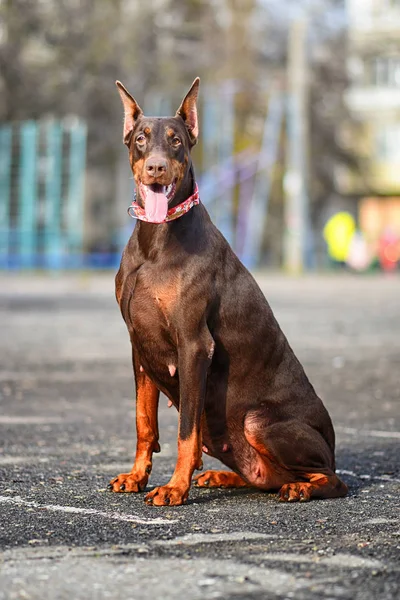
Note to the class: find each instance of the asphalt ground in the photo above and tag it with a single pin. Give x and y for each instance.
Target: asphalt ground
(67, 427)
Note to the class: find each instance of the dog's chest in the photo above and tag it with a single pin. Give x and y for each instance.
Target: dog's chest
(152, 310)
(157, 300)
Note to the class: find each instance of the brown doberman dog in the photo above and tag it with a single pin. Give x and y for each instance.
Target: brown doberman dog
(203, 333)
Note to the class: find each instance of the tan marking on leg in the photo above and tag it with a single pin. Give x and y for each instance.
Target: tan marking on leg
(177, 490)
(221, 479)
(147, 396)
(264, 472)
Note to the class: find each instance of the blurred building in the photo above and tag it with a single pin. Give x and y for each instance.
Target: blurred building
(373, 99)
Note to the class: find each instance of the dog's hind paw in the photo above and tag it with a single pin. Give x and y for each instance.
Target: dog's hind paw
(295, 492)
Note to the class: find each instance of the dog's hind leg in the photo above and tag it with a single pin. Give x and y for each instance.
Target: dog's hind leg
(293, 457)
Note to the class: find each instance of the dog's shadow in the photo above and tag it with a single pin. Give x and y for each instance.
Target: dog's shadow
(203, 495)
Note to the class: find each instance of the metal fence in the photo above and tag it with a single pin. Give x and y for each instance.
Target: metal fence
(42, 172)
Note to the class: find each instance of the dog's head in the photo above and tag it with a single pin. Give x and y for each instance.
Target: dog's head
(159, 150)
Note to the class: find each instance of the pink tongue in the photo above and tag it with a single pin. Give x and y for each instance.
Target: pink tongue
(156, 206)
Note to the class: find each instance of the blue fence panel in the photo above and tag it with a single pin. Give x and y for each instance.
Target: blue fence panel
(42, 179)
(52, 210)
(75, 213)
(5, 188)
(27, 214)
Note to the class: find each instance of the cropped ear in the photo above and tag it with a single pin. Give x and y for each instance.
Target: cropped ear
(132, 111)
(188, 111)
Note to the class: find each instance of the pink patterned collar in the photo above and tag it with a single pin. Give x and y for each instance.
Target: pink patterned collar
(137, 212)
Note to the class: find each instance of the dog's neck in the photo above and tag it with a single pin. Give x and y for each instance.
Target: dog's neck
(185, 232)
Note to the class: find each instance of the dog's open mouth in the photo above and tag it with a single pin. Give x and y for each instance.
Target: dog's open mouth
(155, 198)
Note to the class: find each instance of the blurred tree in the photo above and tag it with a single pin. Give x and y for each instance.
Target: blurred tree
(327, 111)
(20, 25)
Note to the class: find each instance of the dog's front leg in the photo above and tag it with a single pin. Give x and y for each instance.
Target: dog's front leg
(147, 395)
(194, 357)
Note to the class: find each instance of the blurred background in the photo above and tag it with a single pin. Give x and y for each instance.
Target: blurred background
(299, 154)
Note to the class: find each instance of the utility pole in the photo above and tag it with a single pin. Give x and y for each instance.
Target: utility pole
(296, 177)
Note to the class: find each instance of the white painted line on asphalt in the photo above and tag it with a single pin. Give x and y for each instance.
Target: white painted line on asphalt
(17, 460)
(347, 561)
(345, 472)
(387, 478)
(381, 521)
(369, 432)
(18, 501)
(15, 420)
(192, 539)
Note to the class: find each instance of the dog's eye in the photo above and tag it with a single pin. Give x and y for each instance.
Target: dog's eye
(141, 139)
(176, 142)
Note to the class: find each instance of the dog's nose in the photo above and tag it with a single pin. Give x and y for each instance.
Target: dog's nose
(156, 166)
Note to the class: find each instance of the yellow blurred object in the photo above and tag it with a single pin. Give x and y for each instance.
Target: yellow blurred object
(338, 233)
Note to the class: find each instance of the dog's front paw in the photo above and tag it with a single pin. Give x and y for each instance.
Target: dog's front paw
(167, 495)
(128, 482)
